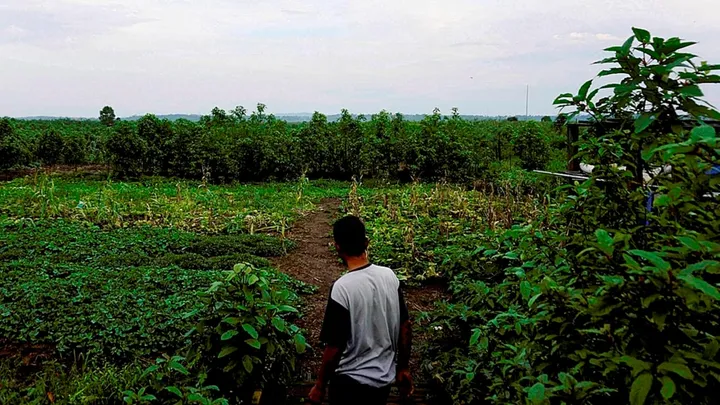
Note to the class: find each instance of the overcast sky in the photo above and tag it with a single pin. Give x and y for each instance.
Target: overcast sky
(71, 57)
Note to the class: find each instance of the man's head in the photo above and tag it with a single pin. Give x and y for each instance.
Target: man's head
(350, 238)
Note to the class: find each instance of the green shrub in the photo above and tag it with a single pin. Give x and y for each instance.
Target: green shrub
(602, 301)
(531, 147)
(253, 343)
(75, 150)
(14, 150)
(51, 147)
(126, 150)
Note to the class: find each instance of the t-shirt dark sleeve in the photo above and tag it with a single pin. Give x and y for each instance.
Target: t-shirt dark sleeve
(404, 314)
(336, 327)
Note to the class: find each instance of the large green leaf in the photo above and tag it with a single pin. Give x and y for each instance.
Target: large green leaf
(612, 71)
(701, 285)
(248, 363)
(226, 351)
(640, 389)
(668, 387)
(250, 330)
(625, 49)
(300, 343)
(475, 337)
(690, 243)
(705, 134)
(638, 366)
(536, 393)
(584, 89)
(175, 391)
(643, 122)
(642, 35)
(691, 91)
(605, 241)
(525, 289)
(229, 334)
(178, 367)
(677, 368)
(653, 258)
(254, 343)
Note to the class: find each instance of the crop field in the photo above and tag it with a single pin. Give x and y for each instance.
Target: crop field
(158, 262)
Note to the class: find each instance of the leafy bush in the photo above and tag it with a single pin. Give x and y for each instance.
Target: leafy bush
(127, 150)
(14, 150)
(252, 342)
(531, 147)
(51, 147)
(602, 301)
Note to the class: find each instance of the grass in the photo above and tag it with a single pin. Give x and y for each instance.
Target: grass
(427, 231)
(271, 207)
(111, 272)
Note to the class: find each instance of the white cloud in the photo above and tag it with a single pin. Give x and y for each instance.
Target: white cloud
(607, 37)
(408, 55)
(582, 37)
(14, 32)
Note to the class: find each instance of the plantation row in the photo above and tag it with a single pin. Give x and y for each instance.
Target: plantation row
(258, 147)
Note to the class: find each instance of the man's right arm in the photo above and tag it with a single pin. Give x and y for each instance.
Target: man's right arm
(404, 378)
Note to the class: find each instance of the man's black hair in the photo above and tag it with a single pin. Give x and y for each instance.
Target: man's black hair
(349, 234)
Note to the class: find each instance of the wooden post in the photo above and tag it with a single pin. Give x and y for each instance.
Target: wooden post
(573, 135)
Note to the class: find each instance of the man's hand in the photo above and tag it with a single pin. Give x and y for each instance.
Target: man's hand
(317, 394)
(405, 383)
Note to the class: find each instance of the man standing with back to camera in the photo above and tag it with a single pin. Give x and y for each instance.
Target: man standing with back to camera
(367, 330)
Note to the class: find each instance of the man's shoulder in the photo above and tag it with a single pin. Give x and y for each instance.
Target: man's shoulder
(372, 272)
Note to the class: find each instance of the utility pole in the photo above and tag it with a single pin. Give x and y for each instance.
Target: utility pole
(527, 103)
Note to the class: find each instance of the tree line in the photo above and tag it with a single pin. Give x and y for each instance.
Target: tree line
(241, 146)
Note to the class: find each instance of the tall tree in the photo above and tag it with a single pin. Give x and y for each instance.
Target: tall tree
(107, 116)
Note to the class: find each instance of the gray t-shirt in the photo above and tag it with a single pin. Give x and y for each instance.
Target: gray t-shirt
(364, 314)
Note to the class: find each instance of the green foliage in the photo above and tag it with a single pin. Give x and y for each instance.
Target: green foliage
(531, 147)
(253, 343)
(598, 300)
(54, 382)
(231, 147)
(120, 295)
(14, 149)
(51, 147)
(127, 151)
(256, 244)
(170, 381)
(269, 208)
(426, 231)
(107, 116)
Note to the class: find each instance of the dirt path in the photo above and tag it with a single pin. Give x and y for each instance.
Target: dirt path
(313, 262)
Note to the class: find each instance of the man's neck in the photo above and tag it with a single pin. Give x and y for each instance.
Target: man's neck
(355, 263)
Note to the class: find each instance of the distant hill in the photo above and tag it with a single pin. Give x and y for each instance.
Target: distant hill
(171, 117)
